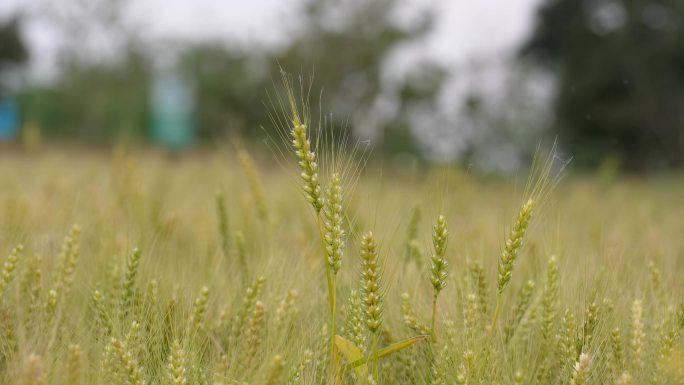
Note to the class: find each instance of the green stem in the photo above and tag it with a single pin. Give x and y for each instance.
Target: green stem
(375, 357)
(487, 346)
(333, 322)
(490, 337)
(497, 309)
(331, 280)
(434, 310)
(433, 337)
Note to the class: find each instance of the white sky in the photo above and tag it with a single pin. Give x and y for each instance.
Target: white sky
(466, 30)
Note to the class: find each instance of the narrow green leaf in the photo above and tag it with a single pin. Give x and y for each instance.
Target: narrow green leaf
(385, 351)
(352, 353)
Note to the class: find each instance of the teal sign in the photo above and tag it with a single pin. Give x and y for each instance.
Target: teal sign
(172, 111)
(9, 119)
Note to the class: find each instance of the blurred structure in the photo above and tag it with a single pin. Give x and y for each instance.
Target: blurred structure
(172, 109)
(12, 54)
(9, 119)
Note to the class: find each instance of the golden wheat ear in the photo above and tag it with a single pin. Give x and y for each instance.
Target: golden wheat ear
(546, 172)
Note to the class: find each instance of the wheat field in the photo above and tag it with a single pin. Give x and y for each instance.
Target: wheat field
(136, 268)
(308, 266)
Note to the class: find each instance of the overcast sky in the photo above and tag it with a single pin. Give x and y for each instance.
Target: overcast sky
(466, 30)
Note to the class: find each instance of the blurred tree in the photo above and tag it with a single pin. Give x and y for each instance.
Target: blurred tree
(12, 48)
(95, 103)
(230, 89)
(620, 78)
(348, 44)
(345, 47)
(103, 89)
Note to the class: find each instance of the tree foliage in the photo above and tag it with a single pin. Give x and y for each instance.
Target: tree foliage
(620, 78)
(343, 46)
(12, 48)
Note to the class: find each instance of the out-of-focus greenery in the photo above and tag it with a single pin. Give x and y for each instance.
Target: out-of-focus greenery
(99, 102)
(620, 72)
(12, 49)
(93, 103)
(617, 67)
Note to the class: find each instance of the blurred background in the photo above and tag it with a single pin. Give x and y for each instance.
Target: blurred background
(481, 83)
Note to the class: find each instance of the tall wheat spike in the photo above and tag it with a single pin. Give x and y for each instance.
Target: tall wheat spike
(176, 365)
(128, 286)
(438, 277)
(370, 292)
(550, 298)
(638, 335)
(8, 268)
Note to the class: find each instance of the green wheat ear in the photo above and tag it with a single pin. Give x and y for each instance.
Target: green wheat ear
(669, 340)
(370, 283)
(370, 292)
(286, 310)
(480, 284)
(223, 227)
(521, 307)
(66, 262)
(616, 357)
(334, 233)
(638, 335)
(252, 341)
(120, 363)
(438, 275)
(439, 264)
(9, 267)
(199, 309)
(128, 287)
(305, 155)
(103, 319)
(248, 303)
(176, 368)
(410, 318)
(550, 298)
(590, 321)
(567, 341)
(513, 245)
(354, 321)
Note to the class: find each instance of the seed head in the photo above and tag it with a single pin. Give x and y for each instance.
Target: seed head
(370, 283)
(439, 264)
(9, 267)
(513, 244)
(334, 233)
(307, 165)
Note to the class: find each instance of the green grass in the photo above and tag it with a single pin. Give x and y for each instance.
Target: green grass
(192, 308)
